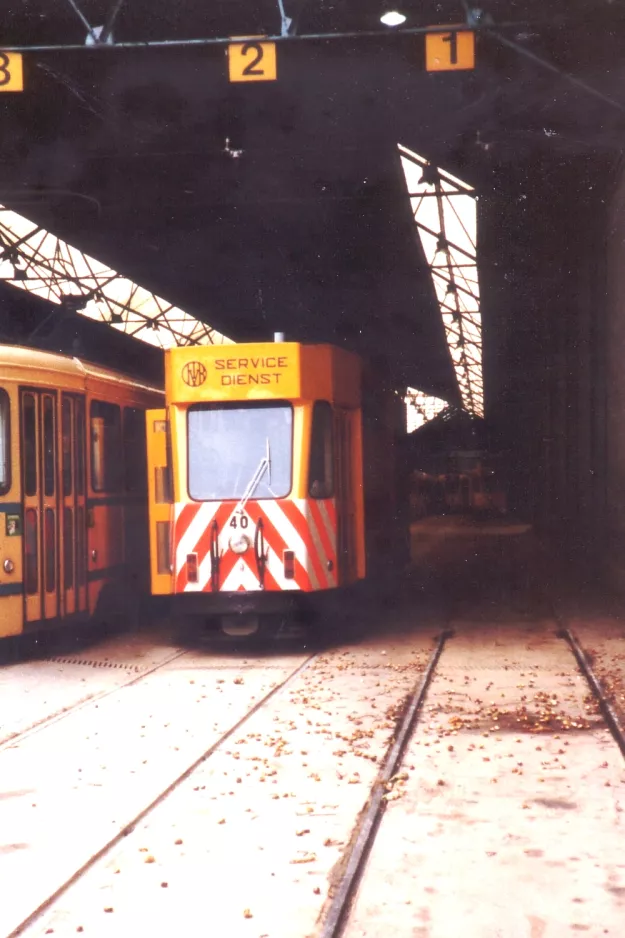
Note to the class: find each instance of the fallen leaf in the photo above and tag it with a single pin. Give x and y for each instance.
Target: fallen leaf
(307, 858)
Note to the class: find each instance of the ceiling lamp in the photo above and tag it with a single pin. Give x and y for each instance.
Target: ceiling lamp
(393, 18)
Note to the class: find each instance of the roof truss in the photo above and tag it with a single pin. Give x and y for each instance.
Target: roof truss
(35, 260)
(445, 213)
(421, 407)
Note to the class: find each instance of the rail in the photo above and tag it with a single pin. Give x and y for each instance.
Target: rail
(370, 819)
(607, 710)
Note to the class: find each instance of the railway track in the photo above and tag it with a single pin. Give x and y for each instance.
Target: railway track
(355, 865)
(337, 910)
(608, 711)
(175, 782)
(367, 825)
(97, 662)
(108, 850)
(14, 738)
(597, 687)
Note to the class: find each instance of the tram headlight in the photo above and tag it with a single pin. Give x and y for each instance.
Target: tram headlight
(8, 566)
(239, 543)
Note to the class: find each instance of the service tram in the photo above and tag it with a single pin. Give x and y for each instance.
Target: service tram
(73, 490)
(477, 491)
(258, 489)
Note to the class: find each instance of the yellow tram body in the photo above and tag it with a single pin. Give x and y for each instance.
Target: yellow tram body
(73, 501)
(255, 472)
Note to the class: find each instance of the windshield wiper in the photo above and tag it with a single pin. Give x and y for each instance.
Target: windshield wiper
(263, 467)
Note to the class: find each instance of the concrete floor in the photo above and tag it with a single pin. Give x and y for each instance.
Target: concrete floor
(34, 693)
(511, 824)
(505, 820)
(257, 829)
(71, 788)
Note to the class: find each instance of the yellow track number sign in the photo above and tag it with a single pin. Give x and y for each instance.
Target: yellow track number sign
(449, 51)
(252, 61)
(11, 72)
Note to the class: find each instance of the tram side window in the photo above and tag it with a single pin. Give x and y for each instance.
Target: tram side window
(135, 451)
(5, 443)
(66, 442)
(321, 468)
(49, 461)
(30, 444)
(80, 447)
(106, 447)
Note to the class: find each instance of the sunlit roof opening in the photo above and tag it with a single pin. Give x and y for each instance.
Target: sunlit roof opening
(35, 260)
(445, 213)
(421, 407)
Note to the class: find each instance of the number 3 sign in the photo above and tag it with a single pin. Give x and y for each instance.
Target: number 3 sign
(252, 61)
(11, 75)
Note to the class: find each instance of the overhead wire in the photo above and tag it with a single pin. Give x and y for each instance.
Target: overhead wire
(83, 19)
(107, 30)
(554, 69)
(227, 40)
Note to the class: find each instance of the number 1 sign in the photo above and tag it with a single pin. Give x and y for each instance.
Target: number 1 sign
(449, 51)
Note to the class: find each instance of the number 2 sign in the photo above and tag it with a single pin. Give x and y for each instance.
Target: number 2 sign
(252, 61)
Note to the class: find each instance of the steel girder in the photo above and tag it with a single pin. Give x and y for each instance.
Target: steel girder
(445, 213)
(35, 260)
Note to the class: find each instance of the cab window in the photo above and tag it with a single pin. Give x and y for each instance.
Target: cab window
(320, 473)
(240, 450)
(5, 443)
(106, 448)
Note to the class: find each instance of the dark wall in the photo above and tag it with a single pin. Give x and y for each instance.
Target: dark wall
(612, 367)
(545, 324)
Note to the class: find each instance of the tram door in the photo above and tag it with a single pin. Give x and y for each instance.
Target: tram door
(73, 508)
(54, 511)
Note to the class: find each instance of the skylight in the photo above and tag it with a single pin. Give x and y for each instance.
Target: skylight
(35, 260)
(421, 407)
(445, 213)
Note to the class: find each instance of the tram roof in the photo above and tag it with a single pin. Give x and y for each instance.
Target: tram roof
(27, 361)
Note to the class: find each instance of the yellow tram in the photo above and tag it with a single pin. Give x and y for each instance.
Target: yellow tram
(257, 488)
(73, 500)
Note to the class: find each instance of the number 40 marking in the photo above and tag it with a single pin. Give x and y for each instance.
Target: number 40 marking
(242, 521)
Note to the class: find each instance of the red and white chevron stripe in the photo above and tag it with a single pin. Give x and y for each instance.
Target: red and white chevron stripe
(305, 526)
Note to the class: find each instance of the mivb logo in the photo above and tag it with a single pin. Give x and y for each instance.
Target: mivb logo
(194, 374)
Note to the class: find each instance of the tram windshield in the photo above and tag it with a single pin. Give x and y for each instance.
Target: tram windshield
(228, 443)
